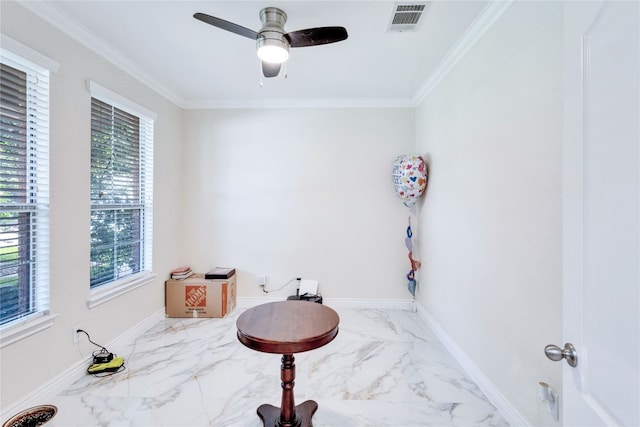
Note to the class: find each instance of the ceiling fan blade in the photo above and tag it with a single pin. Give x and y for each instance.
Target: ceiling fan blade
(226, 25)
(316, 36)
(270, 70)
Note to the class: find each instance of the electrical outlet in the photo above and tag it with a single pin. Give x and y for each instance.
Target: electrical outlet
(76, 335)
(262, 281)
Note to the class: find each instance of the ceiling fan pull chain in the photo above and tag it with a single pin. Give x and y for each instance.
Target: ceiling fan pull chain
(285, 69)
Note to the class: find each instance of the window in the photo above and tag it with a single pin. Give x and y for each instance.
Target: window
(24, 189)
(121, 191)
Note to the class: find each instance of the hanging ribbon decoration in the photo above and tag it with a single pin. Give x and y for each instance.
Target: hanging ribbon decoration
(415, 264)
(410, 175)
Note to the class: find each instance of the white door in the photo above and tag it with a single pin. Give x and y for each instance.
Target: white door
(601, 213)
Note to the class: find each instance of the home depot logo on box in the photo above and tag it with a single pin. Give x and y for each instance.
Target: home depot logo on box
(195, 296)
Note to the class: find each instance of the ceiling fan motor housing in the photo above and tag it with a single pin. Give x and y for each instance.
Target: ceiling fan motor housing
(271, 35)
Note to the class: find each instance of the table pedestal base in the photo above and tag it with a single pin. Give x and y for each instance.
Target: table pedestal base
(270, 415)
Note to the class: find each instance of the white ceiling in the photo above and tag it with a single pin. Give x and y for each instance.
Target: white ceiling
(195, 64)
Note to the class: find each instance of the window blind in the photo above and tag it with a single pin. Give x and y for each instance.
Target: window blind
(24, 189)
(121, 193)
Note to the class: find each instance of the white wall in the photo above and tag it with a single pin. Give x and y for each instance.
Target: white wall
(299, 192)
(32, 362)
(491, 219)
(307, 192)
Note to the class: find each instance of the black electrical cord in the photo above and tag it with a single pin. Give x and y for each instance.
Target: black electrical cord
(102, 348)
(102, 352)
(264, 288)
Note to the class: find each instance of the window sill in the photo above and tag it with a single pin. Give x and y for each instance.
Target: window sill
(25, 327)
(114, 290)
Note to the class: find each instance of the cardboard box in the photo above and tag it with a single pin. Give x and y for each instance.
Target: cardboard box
(200, 297)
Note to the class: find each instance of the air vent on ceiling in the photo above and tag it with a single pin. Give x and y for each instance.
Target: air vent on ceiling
(406, 16)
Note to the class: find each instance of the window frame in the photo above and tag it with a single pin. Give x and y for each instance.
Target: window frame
(38, 68)
(110, 290)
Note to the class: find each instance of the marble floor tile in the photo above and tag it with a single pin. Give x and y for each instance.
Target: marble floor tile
(385, 368)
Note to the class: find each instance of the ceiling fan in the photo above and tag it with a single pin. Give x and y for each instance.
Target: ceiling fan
(272, 41)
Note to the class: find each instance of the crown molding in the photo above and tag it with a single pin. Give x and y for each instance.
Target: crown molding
(298, 103)
(489, 15)
(49, 13)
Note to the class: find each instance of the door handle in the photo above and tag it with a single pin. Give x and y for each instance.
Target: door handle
(568, 353)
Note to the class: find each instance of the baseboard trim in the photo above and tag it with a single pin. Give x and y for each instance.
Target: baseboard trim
(133, 333)
(508, 411)
(78, 369)
(44, 392)
(382, 304)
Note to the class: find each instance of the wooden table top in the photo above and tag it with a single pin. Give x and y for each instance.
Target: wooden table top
(287, 327)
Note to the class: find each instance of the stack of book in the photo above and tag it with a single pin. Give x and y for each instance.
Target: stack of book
(181, 273)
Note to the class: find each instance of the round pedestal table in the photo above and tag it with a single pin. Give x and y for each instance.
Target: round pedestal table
(287, 328)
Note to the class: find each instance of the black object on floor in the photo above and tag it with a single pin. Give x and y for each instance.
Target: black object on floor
(306, 297)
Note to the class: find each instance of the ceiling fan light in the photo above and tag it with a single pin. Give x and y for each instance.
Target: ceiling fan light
(273, 51)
